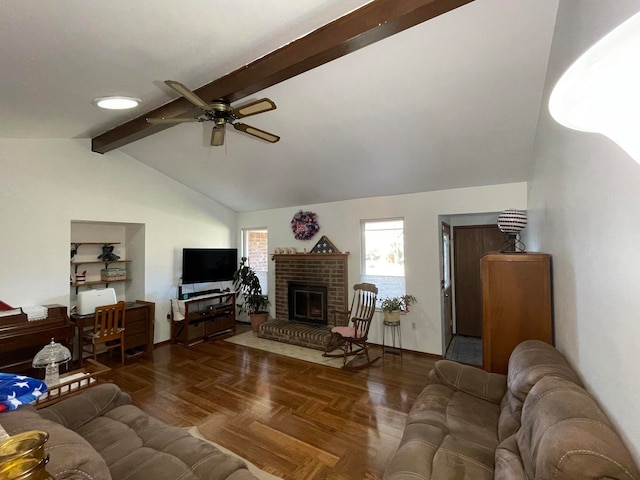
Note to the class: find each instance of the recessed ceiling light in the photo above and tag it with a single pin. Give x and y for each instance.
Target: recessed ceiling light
(116, 102)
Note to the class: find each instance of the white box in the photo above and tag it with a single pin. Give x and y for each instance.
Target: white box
(88, 300)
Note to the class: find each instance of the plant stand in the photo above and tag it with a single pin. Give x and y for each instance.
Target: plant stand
(395, 331)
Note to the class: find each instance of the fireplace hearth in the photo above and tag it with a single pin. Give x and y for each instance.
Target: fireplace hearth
(307, 303)
(313, 269)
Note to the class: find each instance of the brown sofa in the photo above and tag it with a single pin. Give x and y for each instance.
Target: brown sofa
(100, 435)
(537, 422)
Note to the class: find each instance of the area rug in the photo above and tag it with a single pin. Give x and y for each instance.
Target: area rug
(465, 349)
(250, 339)
(261, 474)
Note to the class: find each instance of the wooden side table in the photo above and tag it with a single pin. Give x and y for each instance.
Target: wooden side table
(73, 383)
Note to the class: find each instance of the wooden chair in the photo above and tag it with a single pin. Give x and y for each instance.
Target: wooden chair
(352, 339)
(108, 330)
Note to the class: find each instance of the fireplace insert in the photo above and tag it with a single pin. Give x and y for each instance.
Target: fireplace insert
(307, 303)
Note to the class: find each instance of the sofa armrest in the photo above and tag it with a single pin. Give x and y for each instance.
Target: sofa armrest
(77, 410)
(471, 380)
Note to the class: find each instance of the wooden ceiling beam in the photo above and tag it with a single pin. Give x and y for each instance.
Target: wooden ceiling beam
(374, 21)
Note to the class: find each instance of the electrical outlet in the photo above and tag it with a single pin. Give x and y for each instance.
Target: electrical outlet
(413, 325)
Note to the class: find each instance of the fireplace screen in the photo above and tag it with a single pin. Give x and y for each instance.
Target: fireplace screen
(308, 303)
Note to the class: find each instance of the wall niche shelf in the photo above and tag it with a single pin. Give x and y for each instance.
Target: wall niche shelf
(75, 264)
(95, 282)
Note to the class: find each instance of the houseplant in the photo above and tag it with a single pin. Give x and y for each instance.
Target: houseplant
(254, 302)
(392, 306)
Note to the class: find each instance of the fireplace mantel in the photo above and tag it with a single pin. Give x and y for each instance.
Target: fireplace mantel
(329, 269)
(308, 256)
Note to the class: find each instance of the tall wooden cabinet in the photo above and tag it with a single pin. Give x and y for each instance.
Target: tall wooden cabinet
(516, 304)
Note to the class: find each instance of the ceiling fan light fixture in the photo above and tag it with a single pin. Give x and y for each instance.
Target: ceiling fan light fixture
(221, 113)
(217, 136)
(115, 102)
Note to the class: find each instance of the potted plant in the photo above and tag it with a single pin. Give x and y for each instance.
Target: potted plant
(392, 306)
(254, 302)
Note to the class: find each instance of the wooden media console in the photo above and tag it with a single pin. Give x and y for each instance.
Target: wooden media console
(198, 318)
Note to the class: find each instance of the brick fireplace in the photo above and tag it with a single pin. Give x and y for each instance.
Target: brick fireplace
(321, 269)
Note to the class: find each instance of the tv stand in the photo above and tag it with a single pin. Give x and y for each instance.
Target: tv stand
(206, 315)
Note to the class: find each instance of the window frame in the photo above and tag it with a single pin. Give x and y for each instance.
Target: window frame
(244, 249)
(363, 257)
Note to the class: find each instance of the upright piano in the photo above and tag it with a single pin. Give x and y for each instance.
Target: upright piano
(21, 339)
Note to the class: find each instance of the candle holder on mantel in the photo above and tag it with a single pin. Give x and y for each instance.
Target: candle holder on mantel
(511, 222)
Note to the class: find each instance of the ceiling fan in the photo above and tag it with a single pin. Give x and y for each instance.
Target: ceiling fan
(221, 113)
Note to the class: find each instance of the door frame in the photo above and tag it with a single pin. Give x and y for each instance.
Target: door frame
(457, 220)
(446, 291)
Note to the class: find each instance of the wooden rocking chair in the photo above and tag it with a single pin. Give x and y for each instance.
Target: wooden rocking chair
(352, 339)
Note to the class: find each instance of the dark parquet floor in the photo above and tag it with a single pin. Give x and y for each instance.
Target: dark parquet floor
(292, 418)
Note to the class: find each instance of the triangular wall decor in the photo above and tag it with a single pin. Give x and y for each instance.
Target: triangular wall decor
(324, 245)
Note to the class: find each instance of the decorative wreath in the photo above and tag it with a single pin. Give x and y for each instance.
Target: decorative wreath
(304, 225)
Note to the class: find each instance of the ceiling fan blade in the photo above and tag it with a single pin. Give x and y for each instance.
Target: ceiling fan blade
(159, 121)
(256, 132)
(217, 136)
(188, 94)
(259, 106)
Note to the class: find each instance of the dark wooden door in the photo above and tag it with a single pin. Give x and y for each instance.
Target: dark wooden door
(471, 243)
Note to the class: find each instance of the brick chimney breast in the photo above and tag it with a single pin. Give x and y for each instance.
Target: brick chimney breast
(329, 269)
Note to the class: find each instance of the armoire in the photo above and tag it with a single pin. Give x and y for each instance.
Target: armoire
(516, 304)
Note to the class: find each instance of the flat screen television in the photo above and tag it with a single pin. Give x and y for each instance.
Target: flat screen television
(201, 265)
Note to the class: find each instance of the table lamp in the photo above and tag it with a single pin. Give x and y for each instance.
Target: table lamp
(511, 222)
(50, 357)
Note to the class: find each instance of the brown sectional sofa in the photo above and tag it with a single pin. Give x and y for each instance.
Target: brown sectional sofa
(100, 435)
(537, 422)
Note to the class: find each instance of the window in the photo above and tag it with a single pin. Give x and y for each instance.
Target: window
(383, 255)
(255, 247)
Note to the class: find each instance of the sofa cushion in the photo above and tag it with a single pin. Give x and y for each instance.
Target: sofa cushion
(530, 361)
(70, 455)
(428, 452)
(75, 411)
(449, 433)
(457, 413)
(471, 380)
(508, 462)
(139, 447)
(565, 435)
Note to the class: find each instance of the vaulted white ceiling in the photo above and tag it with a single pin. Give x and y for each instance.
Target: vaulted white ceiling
(452, 102)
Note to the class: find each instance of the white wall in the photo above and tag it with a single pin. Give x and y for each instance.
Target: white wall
(45, 184)
(583, 203)
(340, 222)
